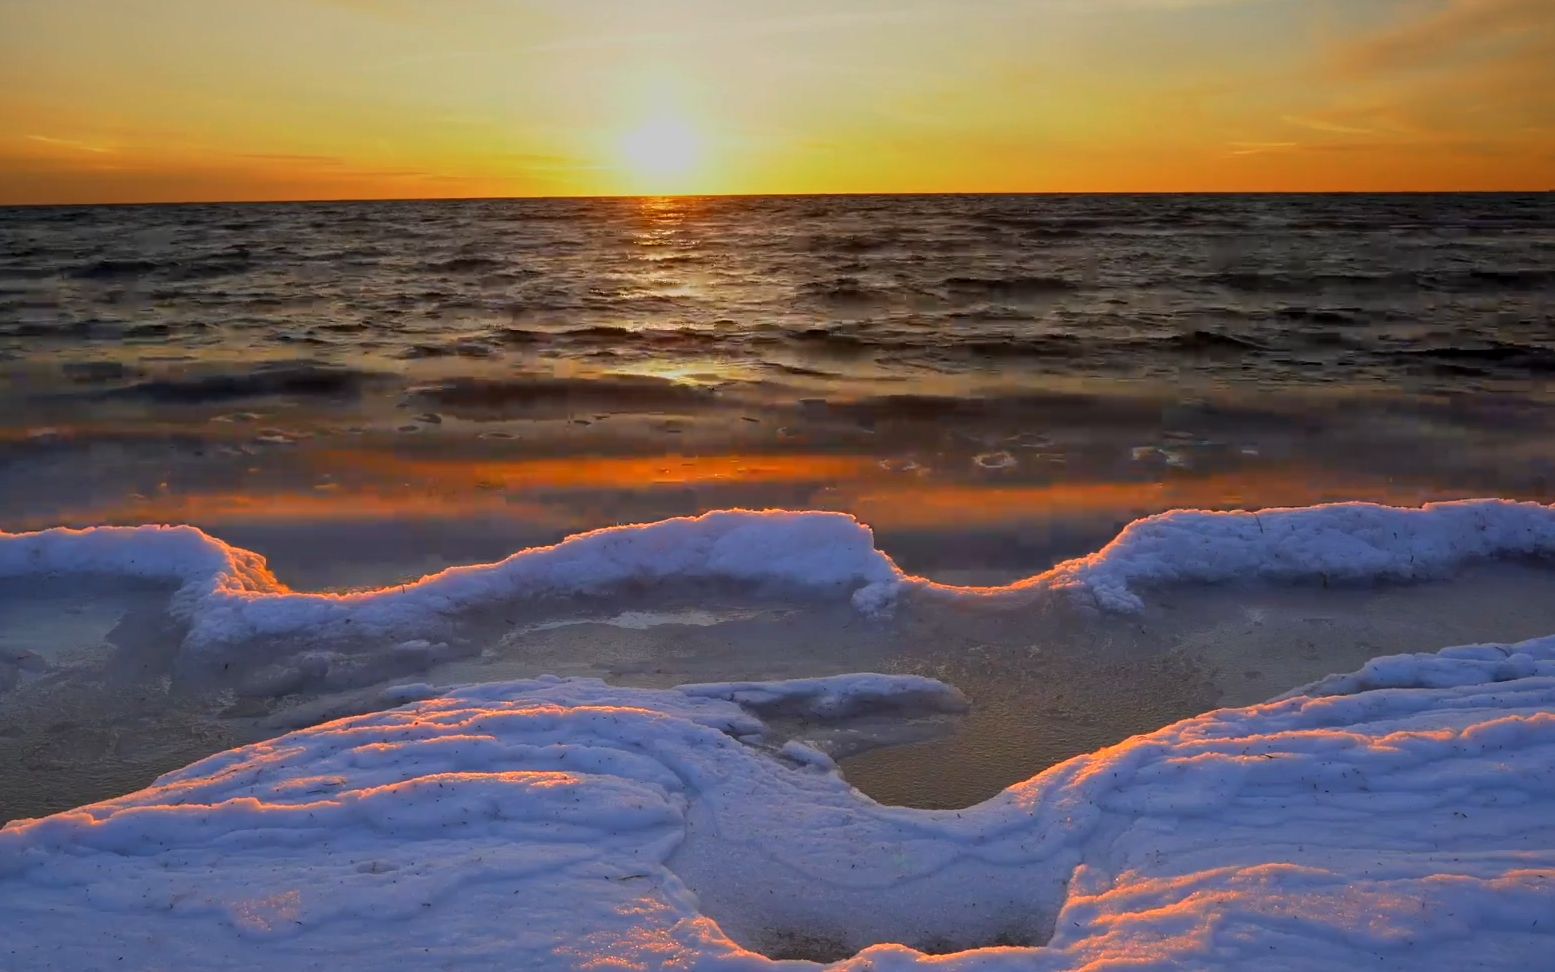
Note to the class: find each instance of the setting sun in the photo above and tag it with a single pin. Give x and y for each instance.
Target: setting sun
(397, 99)
(661, 154)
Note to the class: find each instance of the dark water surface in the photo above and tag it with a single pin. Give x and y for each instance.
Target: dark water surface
(1293, 290)
(1027, 373)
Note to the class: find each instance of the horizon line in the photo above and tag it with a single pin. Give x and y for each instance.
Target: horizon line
(777, 195)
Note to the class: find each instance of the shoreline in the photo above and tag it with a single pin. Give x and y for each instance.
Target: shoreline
(1174, 618)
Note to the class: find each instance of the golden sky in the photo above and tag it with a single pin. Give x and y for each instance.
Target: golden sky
(131, 100)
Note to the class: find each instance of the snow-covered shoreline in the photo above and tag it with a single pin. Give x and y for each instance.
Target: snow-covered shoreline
(568, 824)
(1394, 816)
(228, 595)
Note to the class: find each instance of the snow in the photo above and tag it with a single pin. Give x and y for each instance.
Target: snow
(1396, 818)
(1346, 542)
(1462, 665)
(229, 597)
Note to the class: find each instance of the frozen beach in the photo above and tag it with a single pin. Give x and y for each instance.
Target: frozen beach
(1112, 762)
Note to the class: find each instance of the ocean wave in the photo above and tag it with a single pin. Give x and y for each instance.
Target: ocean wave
(842, 290)
(848, 243)
(227, 263)
(1346, 316)
(837, 338)
(64, 330)
(307, 379)
(1258, 281)
(1473, 280)
(530, 393)
(235, 260)
(1067, 225)
(97, 372)
(1042, 346)
(1201, 341)
(614, 337)
(1487, 279)
(229, 596)
(1518, 357)
(1010, 287)
(466, 264)
(147, 331)
(114, 269)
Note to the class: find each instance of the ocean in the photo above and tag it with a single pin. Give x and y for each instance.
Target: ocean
(1430, 294)
(914, 360)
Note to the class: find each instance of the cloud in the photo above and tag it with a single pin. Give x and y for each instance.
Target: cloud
(1325, 125)
(323, 160)
(1263, 148)
(1480, 29)
(1472, 77)
(71, 143)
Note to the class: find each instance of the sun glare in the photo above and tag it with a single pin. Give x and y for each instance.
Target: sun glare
(662, 153)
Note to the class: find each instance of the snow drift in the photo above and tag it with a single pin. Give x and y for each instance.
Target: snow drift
(1396, 819)
(228, 596)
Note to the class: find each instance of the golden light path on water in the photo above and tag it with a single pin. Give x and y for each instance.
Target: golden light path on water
(355, 485)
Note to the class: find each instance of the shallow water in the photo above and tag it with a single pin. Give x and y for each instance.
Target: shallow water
(1048, 688)
(109, 706)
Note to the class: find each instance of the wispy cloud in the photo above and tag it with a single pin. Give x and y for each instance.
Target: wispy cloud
(321, 160)
(1470, 77)
(1490, 29)
(1263, 148)
(71, 143)
(1324, 125)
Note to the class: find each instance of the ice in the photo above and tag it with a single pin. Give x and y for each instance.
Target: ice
(228, 595)
(1462, 665)
(1394, 819)
(1342, 542)
(1393, 816)
(836, 696)
(639, 620)
(102, 690)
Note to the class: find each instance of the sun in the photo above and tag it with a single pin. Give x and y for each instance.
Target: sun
(662, 153)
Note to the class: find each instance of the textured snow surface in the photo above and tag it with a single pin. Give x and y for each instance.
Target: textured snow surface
(228, 596)
(1397, 818)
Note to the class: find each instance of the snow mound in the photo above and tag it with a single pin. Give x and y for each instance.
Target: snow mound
(567, 824)
(229, 597)
(1337, 542)
(1462, 665)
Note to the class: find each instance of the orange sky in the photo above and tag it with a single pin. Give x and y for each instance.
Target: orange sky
(132, 100)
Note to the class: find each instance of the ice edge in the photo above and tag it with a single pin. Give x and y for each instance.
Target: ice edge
(227, 594)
